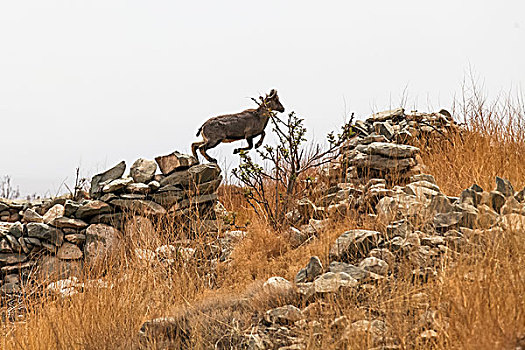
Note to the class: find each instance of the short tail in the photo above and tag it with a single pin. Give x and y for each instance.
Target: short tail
(199, 131)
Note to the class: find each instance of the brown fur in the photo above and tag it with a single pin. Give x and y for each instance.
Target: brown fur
(245, 125)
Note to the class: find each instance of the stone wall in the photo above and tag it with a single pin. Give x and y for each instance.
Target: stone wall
(57, 236)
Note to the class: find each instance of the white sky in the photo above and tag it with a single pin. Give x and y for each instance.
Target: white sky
(89, 83)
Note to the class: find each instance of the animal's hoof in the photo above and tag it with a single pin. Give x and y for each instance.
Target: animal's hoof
(214, 161)
(235, 151)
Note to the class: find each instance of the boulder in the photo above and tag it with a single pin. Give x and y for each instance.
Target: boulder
(116, 185)
(193, 176)
(114, 173)
(102, 242)
(43, 231)
(354, 243)
(175, 161)
(63, 222)
(355, 272)
(331, 282)
(386, 115)
(143, 170)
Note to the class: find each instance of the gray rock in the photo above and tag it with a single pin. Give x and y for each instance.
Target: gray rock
(168, 198)
(497, 200)
(383, 254)
(331, 282)
(389, 150)
(175, 161)
(504, 187)
(69, 251)
(384, 128)
(381, 163)
(354, 243)
(43, 231)
(63, 222)
(13, 242)
(54, 212)
(374, 265)
(12, 258)
(313, 269)
(10, 289)
(92, 208)
(116, 185)
(70, 208)
(386, 115)
(284, 315)
(102, 243)
(143, 170)
(511, 206)
(154, 185)
(17, 230)
(193, 176)
(471, 197)
(355, 272)
(447, 221)
(30, 215)
(440, 204)
(114, 173)
(141, 188)
(144, 207)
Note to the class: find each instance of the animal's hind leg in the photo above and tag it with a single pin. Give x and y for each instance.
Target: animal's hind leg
(250, 146)
(195, 146)
(206, 146)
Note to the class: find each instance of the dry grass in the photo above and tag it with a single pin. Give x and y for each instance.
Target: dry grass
(479, 299)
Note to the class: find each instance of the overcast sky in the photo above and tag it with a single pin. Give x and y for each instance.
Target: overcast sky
(89, 83)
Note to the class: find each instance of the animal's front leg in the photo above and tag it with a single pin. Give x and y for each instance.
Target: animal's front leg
(250, 146)
(260, 142)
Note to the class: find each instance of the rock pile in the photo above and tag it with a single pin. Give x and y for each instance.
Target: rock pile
(56, 237)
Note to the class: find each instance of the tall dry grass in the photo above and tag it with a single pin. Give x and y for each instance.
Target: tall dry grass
(476, 302)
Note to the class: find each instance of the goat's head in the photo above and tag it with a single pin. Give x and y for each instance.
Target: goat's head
(272, 102)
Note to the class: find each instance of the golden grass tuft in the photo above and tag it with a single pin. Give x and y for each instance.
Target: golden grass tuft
(476, 302)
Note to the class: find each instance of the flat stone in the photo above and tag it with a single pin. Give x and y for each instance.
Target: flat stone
(132, 196)
(56, 211)
(354, 243)
(92, 208)
(69, 251)
(114, 173)
(423, 177)
(175, 161)
(12, 258)
(386, 115)
(355, 272)
(194, 201)
(114, 219)
(43, 231)
(389, 150)
(374, 265)
(30, 215)
(143, 207)
(168, 198)
(193, 176)
(331, 282)
(116, 185)
(385, 129)
(381, 163)
(63, 222)
(143, 170)
(141, 188)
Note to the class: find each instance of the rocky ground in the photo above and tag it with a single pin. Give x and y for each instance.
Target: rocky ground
(406, 238)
